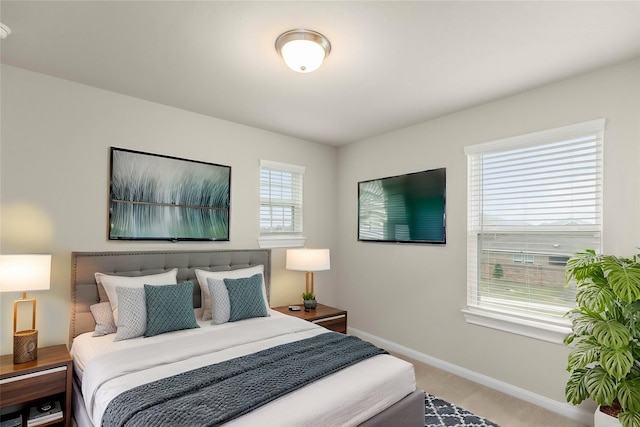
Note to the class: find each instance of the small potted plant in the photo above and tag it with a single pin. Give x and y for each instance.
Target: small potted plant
(309, 300)
(604, 363)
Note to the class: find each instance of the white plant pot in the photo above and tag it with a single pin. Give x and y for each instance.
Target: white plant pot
(600, 419)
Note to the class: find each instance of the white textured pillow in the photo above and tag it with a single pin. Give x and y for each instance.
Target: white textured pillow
(133, 313)
(103, 316)
(203, 275)
(220, 304)
(111, 282)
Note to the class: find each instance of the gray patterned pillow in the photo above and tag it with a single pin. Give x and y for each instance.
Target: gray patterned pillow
(245, 296)
(169, 308)
(132, 318)
(104, 319)
(220, 305)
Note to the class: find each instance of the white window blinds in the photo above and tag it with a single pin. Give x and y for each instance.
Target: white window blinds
(533, 201)
(280, 198)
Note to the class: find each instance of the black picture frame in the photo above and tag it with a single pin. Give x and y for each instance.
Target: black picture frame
(158, 197)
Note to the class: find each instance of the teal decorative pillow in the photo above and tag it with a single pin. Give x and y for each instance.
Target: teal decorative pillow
(245, 296)
(169, 308)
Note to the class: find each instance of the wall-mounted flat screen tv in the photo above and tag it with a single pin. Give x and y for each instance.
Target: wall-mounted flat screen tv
(403, 209)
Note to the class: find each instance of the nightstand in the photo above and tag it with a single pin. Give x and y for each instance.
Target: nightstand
(49, 376)
(323, 315)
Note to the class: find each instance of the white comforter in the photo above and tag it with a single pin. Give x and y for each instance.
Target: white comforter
(346, 398)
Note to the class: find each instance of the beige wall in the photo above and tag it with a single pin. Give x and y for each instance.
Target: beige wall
(55, 141)
(53, 193)
(412, 294)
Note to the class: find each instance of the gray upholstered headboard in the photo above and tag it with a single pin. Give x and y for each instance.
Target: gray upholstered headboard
(85, 292)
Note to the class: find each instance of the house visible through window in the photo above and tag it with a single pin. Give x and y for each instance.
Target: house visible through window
(280, 201)
(533, 201)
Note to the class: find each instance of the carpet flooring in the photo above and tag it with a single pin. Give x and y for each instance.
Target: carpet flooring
(440, 413)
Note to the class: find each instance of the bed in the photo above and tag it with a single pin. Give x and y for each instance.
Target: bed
(113, 371)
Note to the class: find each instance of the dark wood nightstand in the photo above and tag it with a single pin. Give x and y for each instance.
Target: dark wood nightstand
(323, 315)
(47, 377)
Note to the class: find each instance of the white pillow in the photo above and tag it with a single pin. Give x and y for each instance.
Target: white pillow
(111, 282)
(133, 313)
(220, 303)
(203, 275)
(103, 316)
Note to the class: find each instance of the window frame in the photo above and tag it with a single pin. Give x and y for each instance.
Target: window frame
(527, 324)
(287, 238)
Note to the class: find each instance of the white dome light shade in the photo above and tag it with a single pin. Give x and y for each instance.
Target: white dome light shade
(303, 56)
(303, 50)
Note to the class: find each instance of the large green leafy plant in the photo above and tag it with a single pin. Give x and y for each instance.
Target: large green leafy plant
(604, 364)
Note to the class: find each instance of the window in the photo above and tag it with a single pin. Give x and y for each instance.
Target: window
(533, 201)
(529, 258)
(559, 260)
(280, 204)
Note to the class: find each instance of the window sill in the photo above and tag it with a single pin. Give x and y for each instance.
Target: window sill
(270, 242)
(554, 332)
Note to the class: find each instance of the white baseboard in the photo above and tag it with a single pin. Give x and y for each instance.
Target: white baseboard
(562, 408)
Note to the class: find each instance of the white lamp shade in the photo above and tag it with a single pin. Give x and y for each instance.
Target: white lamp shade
(308, 259)
(21, 273)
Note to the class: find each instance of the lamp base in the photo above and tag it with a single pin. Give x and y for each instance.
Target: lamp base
(25, 346)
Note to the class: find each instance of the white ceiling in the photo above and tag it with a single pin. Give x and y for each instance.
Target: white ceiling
(392, 64)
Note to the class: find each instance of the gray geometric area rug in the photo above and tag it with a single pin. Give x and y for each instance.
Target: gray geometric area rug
(440, 413)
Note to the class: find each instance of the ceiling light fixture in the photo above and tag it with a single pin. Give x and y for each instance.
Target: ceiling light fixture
(303, 50)
(4, 31)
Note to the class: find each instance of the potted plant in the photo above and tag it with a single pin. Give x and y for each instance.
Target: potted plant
(309, 299)
(604, 364)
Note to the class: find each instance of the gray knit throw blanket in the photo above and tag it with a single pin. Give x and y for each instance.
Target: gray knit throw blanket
(218, 393)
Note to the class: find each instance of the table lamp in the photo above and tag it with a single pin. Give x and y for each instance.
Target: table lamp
(309, 261)
(22, 273)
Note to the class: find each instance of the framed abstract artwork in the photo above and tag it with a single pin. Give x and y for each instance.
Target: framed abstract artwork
(156, 197)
